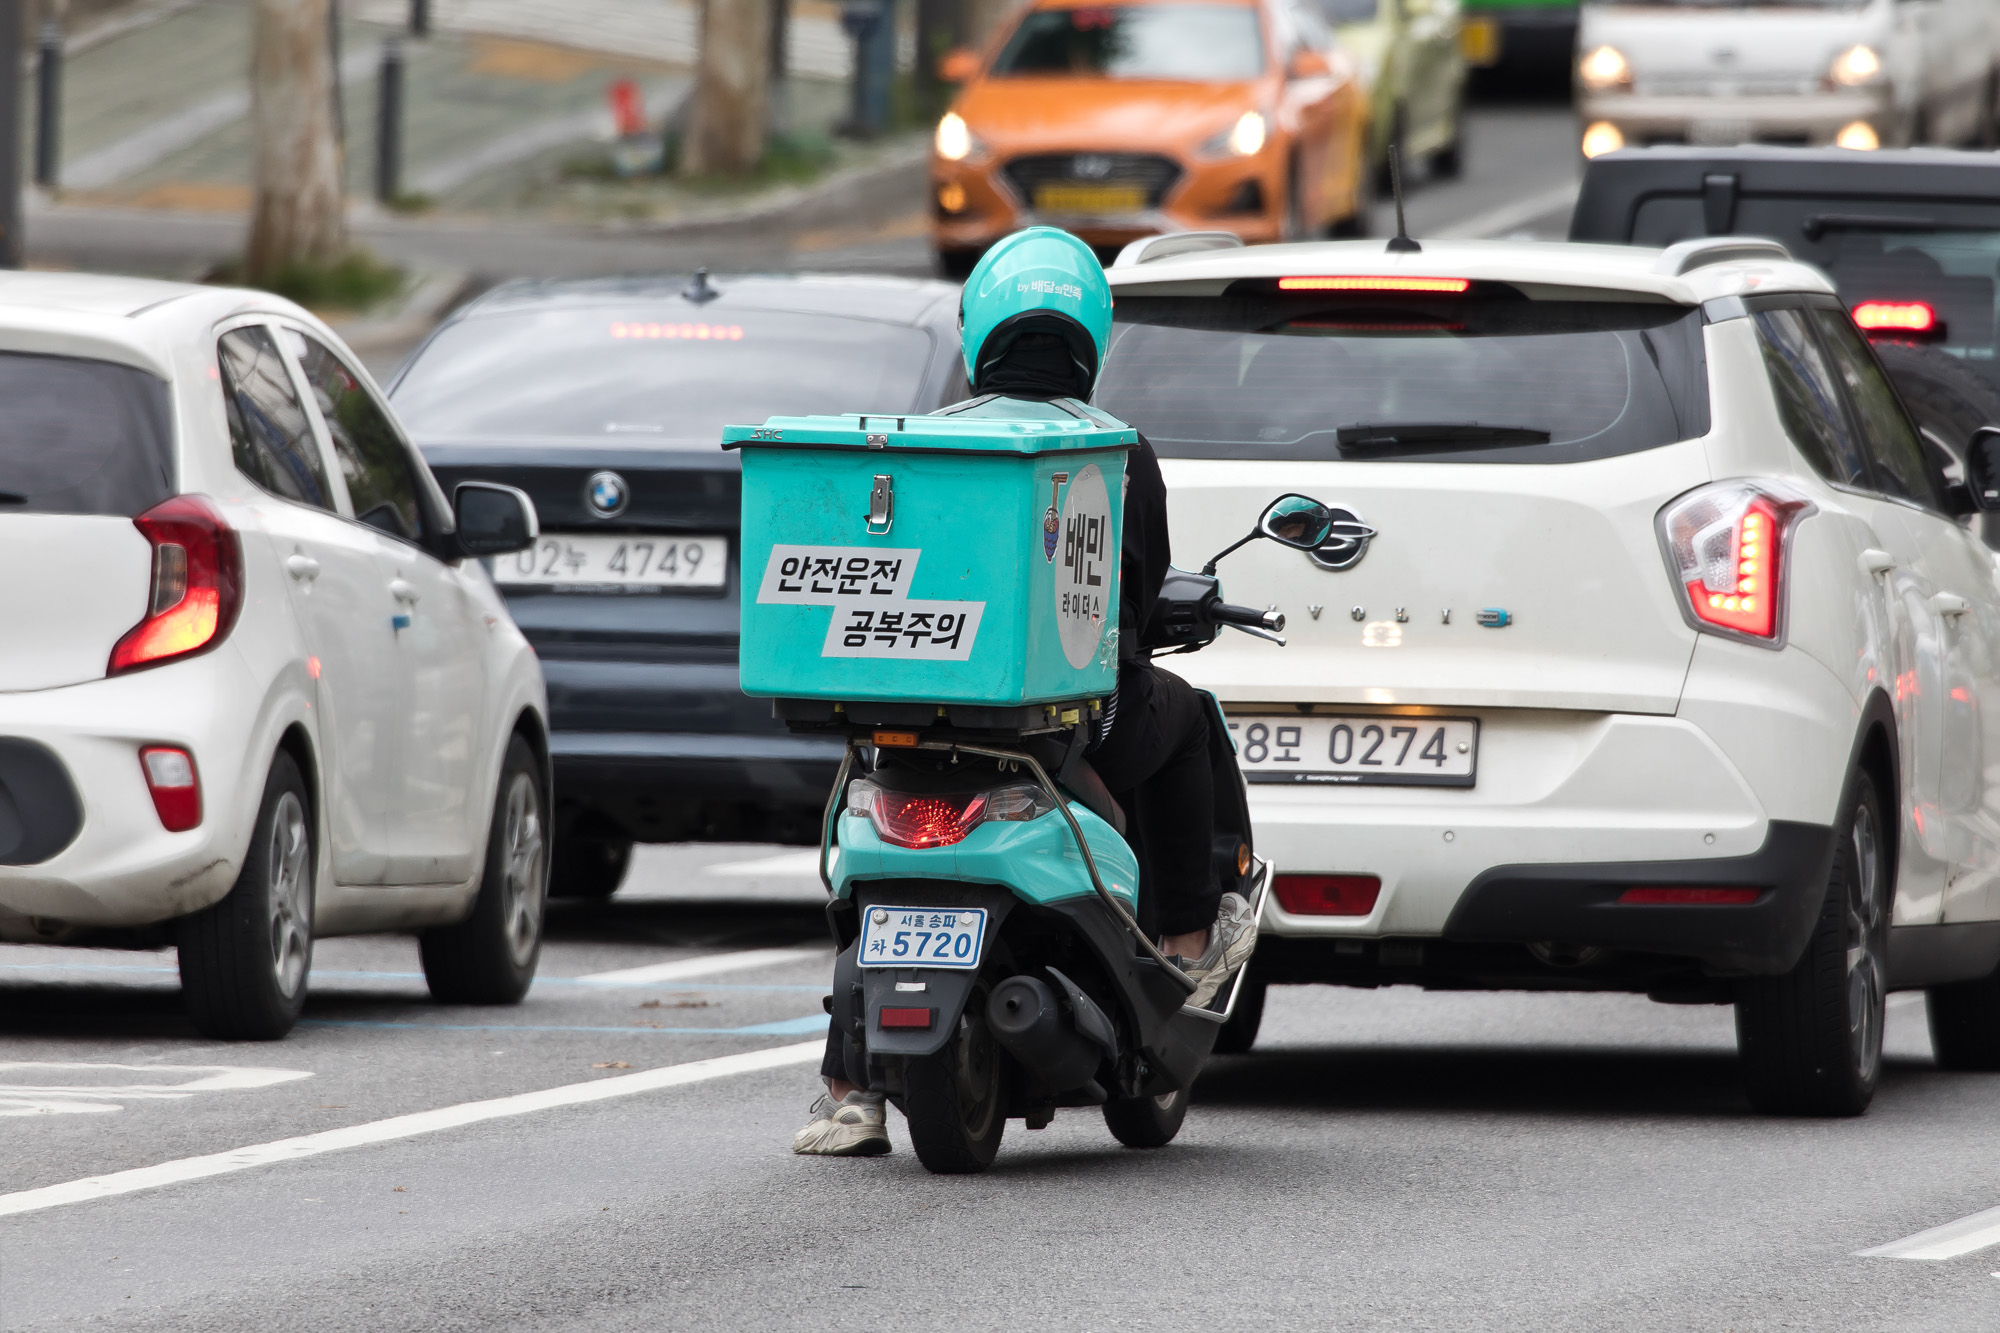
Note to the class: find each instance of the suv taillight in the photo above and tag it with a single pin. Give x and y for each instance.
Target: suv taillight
(1726, 547)
(197, 584)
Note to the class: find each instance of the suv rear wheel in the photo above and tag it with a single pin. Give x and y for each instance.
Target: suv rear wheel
(1811, 1040)
(589, 867)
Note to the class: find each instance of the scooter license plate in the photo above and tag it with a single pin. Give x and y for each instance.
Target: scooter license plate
(922, 936)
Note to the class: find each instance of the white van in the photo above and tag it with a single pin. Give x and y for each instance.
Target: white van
(1813, 73)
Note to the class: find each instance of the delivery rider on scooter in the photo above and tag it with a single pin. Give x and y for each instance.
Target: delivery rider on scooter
(1035, 319)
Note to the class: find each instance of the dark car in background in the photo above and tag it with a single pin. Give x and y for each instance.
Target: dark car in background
(605, 400)
(1911, 238)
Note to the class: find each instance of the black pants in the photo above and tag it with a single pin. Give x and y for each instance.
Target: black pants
(1156, 762)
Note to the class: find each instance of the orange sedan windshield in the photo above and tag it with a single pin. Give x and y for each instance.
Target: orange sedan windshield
(1197, 43)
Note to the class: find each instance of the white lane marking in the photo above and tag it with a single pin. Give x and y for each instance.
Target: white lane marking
(73, 1095)
(788, 863)
(1508, 216)
(403, 1127)
(702, 967)
(1946, 1242)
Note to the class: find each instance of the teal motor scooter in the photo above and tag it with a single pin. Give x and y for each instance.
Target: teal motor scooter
(941, 593)
(985, 903)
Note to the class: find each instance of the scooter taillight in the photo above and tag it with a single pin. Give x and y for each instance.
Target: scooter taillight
(939, 819)
(913, 820)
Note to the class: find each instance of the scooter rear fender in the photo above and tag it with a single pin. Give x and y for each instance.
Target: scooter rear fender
(945, 990)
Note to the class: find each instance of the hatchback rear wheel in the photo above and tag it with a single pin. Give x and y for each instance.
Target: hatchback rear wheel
(245, 960)
(1811, 1040)
(490, 957)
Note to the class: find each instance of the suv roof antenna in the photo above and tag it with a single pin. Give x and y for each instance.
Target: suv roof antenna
(1400, 243)
(699, 291)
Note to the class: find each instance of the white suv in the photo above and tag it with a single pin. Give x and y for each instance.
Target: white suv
(1653, 656)
(252, 690)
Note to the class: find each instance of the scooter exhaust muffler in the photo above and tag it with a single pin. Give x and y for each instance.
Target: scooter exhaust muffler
(1026, 1018)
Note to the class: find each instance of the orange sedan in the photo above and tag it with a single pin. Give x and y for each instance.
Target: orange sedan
(1116, 121)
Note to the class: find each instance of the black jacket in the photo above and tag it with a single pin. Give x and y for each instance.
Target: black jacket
(1144, 555)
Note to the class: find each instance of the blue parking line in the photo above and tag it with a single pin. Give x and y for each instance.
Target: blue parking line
(783, 1027)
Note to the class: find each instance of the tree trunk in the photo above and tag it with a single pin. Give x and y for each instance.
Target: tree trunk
(299, 215)
(727, 127)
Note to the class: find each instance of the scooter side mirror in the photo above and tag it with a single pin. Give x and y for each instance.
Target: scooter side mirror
(1297, 521)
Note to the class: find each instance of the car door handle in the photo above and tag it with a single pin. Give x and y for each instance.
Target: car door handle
(1876, 562)
(1949, 604)
(302, 567)
(403, 591)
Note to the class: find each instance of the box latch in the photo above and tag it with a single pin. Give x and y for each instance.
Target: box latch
(881, 505)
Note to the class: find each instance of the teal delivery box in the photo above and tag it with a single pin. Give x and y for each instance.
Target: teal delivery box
(964, 558)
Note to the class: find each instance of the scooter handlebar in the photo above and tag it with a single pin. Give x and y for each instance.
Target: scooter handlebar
(1270, 621)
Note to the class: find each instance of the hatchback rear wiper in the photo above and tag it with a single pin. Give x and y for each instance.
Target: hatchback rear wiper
(9, 498)
(1422, 435)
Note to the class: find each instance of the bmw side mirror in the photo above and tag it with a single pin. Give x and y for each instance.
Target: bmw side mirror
(494, 519)
(1982, 468)
(1297, 521)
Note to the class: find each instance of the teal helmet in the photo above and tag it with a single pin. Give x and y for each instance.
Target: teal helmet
(1042, 280)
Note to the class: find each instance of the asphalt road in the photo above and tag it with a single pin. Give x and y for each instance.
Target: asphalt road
(1390, 1160)
(613, 1152)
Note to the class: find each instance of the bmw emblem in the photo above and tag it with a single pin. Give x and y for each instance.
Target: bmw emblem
(607, 494)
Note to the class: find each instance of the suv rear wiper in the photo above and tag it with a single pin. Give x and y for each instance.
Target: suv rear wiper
(9, 498)
(1817, 225)
(1421, 435)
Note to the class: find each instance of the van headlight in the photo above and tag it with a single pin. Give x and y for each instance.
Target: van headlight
(1605, 70)
(1856, 66)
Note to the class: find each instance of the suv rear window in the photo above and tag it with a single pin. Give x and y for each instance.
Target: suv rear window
(1465, 379)
(79, 436)
(1945, 254)
(629, 376)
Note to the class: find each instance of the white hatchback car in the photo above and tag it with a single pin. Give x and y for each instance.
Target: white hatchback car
(1654, 657)
(252, 689)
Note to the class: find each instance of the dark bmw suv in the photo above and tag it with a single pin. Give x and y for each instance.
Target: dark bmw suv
(605, 401)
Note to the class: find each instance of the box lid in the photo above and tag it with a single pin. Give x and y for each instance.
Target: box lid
(991, 425)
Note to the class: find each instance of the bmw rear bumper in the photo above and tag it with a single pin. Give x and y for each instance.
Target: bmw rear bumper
(672, 751)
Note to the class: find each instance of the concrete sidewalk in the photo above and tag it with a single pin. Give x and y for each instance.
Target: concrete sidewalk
(505, 102)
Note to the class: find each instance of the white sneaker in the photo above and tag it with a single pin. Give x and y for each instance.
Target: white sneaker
(1230, 943)
(857, 1126)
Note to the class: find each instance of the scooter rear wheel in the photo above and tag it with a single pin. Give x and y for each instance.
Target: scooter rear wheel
(1146, 1122)
(954, 1101)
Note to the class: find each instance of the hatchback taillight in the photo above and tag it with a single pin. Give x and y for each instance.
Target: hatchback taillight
(174, 784)
(939, 819)
(197, 585)
(1726, 547)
